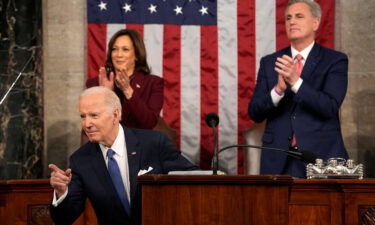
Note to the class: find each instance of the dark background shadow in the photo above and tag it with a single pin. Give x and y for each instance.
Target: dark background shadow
(58, 144)
(365, 117)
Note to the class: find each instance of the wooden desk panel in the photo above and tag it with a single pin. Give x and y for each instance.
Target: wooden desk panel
(359, 202)
(27, 202)
(209, 200)
(221, 200)
(315, 202)
(332, 201)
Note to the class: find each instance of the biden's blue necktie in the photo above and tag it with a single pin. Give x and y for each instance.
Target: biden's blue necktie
(115, 174)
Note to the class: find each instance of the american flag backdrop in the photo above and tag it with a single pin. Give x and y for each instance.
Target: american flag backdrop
(208, 53)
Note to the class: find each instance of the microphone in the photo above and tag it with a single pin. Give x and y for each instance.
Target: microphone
(304, 156)
(212, 120)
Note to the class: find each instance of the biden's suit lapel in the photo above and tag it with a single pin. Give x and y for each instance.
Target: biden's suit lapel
(134, 154)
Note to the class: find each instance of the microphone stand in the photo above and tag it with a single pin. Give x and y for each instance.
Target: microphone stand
(212, 120)
(305, 156)
(215, 159)
(19, 75)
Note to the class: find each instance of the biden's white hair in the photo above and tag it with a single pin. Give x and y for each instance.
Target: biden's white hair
(111, 100)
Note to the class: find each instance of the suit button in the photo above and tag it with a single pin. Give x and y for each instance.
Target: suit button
(294, 117)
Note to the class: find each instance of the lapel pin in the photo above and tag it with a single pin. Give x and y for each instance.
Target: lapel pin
(138, 86)
(133, 153)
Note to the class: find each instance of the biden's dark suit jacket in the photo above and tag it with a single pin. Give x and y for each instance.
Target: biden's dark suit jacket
(312, 113)
(90, 177)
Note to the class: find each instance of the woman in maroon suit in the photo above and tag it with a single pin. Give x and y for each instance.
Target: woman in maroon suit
(127, 73)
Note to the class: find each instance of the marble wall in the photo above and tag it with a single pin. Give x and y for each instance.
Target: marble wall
(21, 113)
(355, 35)
(64, 34)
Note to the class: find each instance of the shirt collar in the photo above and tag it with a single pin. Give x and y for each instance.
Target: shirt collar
(305, 52)
(118, 145)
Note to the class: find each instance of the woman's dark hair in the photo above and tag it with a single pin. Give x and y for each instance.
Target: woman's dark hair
(139, 50)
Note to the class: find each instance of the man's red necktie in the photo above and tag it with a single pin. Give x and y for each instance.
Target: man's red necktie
(299, 67)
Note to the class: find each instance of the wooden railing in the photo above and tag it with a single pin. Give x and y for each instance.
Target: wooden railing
(214, 200)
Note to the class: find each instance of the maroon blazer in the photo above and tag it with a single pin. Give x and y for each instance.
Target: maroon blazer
(143, 109)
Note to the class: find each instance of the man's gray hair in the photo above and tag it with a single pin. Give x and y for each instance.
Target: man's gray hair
(110, 98)
(315, 9)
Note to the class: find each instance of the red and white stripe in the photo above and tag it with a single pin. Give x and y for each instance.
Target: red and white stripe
(210, 69)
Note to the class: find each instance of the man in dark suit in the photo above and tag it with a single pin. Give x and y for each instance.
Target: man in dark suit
(105, 169)
(299, 92)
